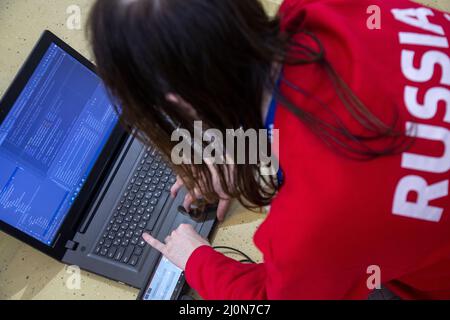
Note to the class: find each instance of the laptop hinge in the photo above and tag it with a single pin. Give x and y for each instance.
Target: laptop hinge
(71, 245)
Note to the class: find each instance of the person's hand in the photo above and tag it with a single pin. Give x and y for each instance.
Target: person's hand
(222, 208)
(179, 246)
(224, 202)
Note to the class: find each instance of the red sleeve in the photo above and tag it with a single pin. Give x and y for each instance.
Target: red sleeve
(300, 263)
(216, 276)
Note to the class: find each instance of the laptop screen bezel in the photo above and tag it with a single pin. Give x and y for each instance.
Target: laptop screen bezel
(79, 208)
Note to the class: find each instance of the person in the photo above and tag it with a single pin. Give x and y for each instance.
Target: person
(359, 96)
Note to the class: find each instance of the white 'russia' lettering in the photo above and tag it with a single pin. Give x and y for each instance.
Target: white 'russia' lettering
(404, 204)
(420, 39)
(427, 163)
(419, 209)
(425, 72)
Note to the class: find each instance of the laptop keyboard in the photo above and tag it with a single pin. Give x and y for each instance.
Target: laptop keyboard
(138, 210)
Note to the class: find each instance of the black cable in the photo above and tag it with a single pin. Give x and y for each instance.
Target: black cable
(245, 261)
(247, 258)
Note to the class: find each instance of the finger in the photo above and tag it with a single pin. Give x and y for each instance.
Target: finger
(198, 193)
(176, 187)
(185, 227)
(222, 209)
(188, 200)
(155, 243)
(167, 240)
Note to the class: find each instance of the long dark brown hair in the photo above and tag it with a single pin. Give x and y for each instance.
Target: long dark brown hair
(218, 55)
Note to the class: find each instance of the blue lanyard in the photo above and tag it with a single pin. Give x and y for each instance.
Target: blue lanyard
(270, 120)
(270, 123)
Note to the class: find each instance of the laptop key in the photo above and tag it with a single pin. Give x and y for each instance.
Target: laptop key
(112, 252)
(129, 234)
(132, 210)
(108, 243)
(138, 251)
(134, 260)
(135, 240)
(142, 225)
(127, 254)
(119, 253)
(104, 251)
(142, 243)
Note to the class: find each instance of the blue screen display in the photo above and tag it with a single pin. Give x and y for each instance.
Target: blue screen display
(49, 143)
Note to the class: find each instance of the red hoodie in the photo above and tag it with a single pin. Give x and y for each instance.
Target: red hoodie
(338, 224)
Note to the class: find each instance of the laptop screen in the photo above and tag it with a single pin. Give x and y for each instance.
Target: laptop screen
(49, 143)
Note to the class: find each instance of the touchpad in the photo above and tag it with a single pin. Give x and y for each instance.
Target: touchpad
(184, 218)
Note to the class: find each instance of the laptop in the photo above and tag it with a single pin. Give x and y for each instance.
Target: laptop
(74, 184)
